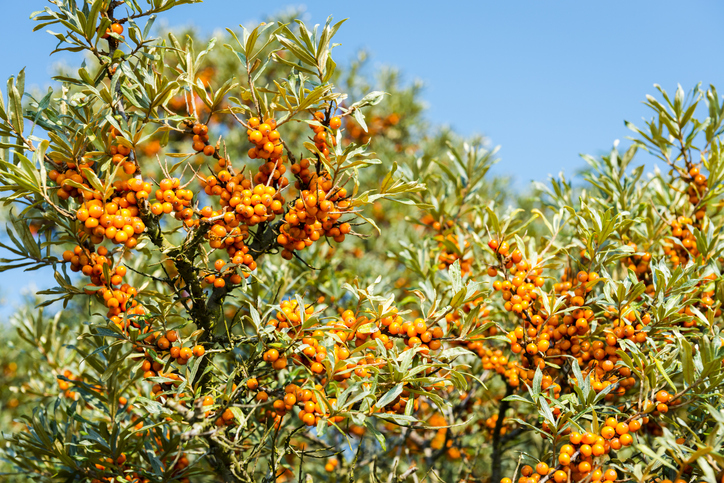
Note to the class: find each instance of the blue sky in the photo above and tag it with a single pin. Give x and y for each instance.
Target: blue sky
(545, 80)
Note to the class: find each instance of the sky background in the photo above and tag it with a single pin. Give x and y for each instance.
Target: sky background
(544, 80)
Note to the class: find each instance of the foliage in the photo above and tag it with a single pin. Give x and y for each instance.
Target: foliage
(250, 293)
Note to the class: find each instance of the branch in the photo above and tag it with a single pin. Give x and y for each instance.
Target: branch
(497, 441)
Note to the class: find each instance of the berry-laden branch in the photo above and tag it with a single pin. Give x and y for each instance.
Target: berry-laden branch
(217, 356)
(496, 457)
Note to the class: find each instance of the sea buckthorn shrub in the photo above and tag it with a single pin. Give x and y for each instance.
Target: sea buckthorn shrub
(252, 294)
(600, 312)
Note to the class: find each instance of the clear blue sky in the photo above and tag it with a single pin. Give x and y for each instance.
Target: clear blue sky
(545, 80)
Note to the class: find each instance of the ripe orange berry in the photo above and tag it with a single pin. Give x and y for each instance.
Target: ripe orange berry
(568, 449)
(542, 468)
(335, 123)
(256, 137)
(589, 438)
(626, 439)
(199, 350)
(156, 209)
(309, 419)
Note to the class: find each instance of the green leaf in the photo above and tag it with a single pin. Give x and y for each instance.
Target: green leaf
(389, 396)
(92, 20)
(687, 362)
(238, 416)
(396, 418)
(16, 107)
(370, 425)
(665, 375)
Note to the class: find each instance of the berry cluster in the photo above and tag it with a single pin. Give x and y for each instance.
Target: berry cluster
(163, 352)
(266, 139)
(171, 197)
(314, 214)
(376, 125)
(116, 220)
(684, 248)
(117, 296)
(321, 137)
(451, 250)
(696, 186)
(71, 181)
(120, 152)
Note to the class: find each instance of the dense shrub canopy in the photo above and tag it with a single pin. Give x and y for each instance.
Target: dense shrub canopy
(270, 268)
